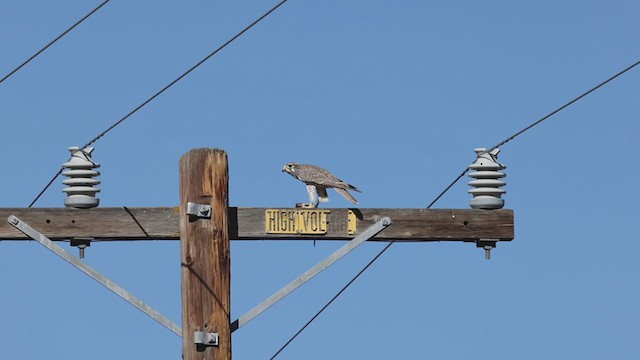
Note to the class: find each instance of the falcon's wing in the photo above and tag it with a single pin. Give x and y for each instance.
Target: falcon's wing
(319, 176)
(322, 193)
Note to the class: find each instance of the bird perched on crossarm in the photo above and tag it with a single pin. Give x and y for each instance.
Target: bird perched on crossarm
(318, 180)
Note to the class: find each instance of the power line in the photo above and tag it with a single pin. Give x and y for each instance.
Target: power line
(448, 187)
(333, 298)
(565, 106)
(536, 123)
(441, 194)
(184, 74)
(53, 41)
(46, 187)
(92, 141)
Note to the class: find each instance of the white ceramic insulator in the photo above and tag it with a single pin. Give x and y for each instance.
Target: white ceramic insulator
(487, 185)
(81, 190)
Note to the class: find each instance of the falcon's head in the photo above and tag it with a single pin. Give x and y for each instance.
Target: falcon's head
(290, 168)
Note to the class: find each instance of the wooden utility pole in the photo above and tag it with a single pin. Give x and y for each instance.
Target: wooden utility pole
(204, 248)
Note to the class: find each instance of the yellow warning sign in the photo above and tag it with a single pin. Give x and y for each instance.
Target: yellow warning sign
(351, 222)
(296, 221)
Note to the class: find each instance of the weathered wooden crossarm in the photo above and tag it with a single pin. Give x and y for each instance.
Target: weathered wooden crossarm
(162, 223)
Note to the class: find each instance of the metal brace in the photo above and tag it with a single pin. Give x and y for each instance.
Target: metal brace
(370, 232)
(196, 211)
(95, 275)
(205, 339)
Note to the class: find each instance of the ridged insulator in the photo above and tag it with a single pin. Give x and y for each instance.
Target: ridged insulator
(487, 185)
(81, 190)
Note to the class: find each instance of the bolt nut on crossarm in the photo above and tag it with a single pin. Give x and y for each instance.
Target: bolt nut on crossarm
(487, 245)
(82, 244)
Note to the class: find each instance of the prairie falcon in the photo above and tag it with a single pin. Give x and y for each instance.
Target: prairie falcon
(318, 180)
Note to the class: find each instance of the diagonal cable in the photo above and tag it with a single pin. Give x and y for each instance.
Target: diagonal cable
(185, 74)
(442, 194)
(53, 41)
(332, 299)
(163, 90)
(577, 98)
(503, 142)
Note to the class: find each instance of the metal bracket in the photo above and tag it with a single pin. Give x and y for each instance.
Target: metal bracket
(95, 275)
(82, 244)
(196, 211)
(205, 339)
(372, 231)
(487, 245)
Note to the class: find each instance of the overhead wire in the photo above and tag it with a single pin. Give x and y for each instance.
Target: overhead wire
(185, 73)
(530, 126)
(165, 88)
(381, 252)
(333, 298)
(53, 41)
(577, 98)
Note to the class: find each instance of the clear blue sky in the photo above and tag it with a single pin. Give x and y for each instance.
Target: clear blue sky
(392, 96)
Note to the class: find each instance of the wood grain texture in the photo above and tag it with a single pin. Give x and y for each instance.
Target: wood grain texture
(248, 224)
(100, 223)
(204, 248)
(408, 225)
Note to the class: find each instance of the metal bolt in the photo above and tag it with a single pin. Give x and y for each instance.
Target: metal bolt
(188, 261)
(204, 212)
(15, 221)
(487, 252)
(81, 248)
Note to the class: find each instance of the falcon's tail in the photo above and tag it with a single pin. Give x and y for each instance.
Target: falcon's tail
(345, 185)
(346, 195)
(349, 186)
